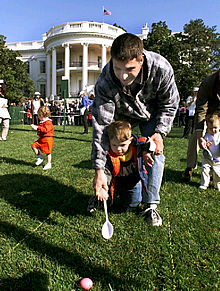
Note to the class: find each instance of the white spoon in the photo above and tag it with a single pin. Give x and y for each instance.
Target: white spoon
(107, 228)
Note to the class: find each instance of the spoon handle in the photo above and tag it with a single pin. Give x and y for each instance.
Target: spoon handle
(106, 212)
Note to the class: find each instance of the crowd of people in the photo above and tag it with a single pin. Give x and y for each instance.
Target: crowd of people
(136, 88)
(73, 109)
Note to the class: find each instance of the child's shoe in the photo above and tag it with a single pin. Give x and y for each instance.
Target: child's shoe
(47, 166)
(40, 160)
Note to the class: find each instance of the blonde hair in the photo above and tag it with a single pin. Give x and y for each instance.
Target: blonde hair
(44, 111)
(120, 130)
(212, 118)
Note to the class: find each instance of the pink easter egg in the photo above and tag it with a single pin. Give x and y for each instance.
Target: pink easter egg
(86, 283)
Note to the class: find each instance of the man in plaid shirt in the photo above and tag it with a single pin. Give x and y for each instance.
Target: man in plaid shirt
(138, 86)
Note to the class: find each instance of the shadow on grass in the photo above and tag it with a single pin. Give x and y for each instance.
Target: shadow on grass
(21, 129)
(72, 138)
(199, 164)
(176, 177)
(81, 266)
(84, 165)
(15, 162)
(39, 195)
(34, 279)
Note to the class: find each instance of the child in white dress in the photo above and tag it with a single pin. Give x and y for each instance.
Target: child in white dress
(211, 154)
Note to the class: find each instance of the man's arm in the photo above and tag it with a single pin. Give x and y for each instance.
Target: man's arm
(167, 103)
(201, 106)
(100, 185)
(103, 110)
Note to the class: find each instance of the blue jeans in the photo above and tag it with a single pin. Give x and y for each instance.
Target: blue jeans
(155, 173)
(130, 197)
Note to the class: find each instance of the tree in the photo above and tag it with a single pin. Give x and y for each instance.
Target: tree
(162, 41)
(200, 53)
(14, 72)
(194, 54)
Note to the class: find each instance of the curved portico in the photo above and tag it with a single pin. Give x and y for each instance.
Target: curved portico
(78, 52)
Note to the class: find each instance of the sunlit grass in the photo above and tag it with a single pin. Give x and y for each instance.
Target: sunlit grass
(49, 242)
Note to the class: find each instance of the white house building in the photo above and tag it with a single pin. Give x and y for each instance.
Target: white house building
(76, 51)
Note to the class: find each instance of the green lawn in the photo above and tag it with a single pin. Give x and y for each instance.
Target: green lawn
(50, 242)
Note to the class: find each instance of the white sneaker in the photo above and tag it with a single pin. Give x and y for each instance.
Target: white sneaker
(152, 216)
(203, 187)
(47, 166)
(40, 160)
(3, 138)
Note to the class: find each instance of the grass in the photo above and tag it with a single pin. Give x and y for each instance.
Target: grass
(49, 242)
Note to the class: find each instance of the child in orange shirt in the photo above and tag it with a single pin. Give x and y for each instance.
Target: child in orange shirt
(45, 130)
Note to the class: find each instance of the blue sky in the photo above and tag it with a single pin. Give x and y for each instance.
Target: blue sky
(26, 20)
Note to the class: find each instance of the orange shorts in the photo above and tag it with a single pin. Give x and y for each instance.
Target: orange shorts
(45, 144)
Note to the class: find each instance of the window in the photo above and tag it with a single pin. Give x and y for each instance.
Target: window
(59, 64)
(42, 67)
(43, 90)
(99, 62)
(80, 61)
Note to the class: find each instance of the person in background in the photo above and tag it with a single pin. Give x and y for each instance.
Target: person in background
(208, 102)
(211, 153)
(138, 86)
(45, 131)
(36, 104)
(182, 114)
(28, 111)
(88, 104)
(190, 111)
(82, 108)
(4, 114)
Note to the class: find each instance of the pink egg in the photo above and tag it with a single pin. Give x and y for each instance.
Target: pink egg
(86, 283)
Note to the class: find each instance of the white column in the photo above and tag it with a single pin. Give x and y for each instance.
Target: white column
(54, 72)
(48, 70)
(85, 66)
(67, 60)
(103, 56)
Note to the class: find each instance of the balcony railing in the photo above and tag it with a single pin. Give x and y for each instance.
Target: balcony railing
(79, 64)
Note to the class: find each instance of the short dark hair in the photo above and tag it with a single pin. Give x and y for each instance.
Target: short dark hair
(127, 46)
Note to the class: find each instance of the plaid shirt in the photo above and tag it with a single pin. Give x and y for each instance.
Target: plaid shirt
(152, 94)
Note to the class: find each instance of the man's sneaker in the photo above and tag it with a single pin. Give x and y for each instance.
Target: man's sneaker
(94, 204)
(40, 160)
(152, 216)
(47, 166)
(202, 187)
(187, 174)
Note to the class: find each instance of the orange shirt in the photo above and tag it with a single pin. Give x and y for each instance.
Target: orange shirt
(45, 128)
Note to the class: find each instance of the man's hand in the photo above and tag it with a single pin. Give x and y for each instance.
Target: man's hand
(158, 140)
(100, 185)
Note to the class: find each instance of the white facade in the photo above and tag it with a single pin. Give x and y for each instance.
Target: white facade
(76, 51)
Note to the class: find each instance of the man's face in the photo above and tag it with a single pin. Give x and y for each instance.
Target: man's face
(127, 71)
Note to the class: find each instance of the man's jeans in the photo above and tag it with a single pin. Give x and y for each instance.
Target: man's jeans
(155, 173)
